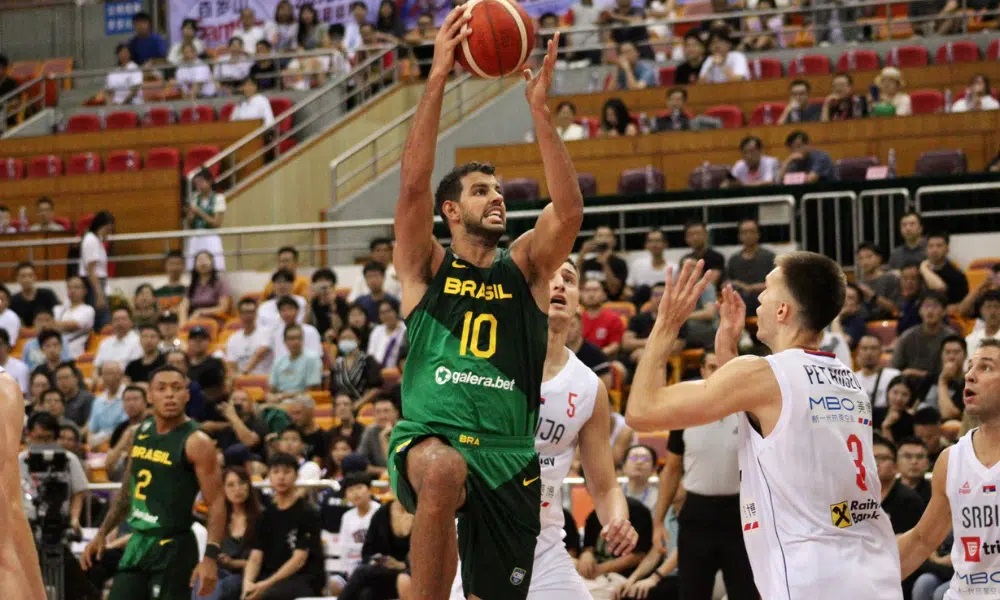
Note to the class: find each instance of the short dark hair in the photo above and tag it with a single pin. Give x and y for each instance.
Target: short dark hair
(373, 267)
(678, 90)
(337, 30)
(694, 223)
(379, 241)
(449, 189)
(927, 415)
(751, 139)
(135, 388)
(287, 301)
(571, 106)
(288, 249)
(294, 430)
(694, 34)
(24, 264)
(191, 22)
(944, 235)
(265, 43)
(324, 274)
(818, 285)
(796, 136)
(356, 478)
(954, 339)
(5, 291)
(283, 275)
(881, 440)
(167, 369)
(912, 213)
(247, 300)
(989, 343)
(149, 327)
(796, 82)
(4, 61)
(871, 248)
(45, 421)
(142, 16)
(990, 296)
(173, 254)
(934, 296)
(48, 334)
(121, 308)
(71, 427)
(290, 328)
(53, 391)
(912, 440)
(282, 459)
(358, 4)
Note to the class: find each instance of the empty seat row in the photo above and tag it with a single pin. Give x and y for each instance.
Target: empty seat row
(118, 161)
(858, 59)
(159, 116)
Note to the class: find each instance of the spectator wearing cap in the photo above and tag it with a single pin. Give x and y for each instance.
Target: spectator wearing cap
(276, 568)
(248, 351)
(723, 63)
(291, 441)
(288, 311)
(941, 274)
(146, 45)
(107, 410)
(169, 327)
(288, 260)
(140, 369)
(815, 164)
(297, 371)
(879, 289)
(917, 351)
(122, 346)
(374, 274)
(170, 294)
(204, 213)
(988, 327)
(355, 522)
(253, 106)
(46, 350)
(375, 441)
(30, 299)
(239, 455)
(379, 251)
(10, 322)
(14, 366)
(282, 282)
(892, 100)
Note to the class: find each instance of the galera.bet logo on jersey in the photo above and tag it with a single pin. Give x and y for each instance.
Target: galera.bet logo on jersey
(443, 375)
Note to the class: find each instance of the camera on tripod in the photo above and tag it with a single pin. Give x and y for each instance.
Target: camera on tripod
(50, 517)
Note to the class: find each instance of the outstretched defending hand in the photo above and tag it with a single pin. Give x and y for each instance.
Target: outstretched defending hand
(680, 297)
(537, 89)
(620, 537)
(732, 314)
(454, 29)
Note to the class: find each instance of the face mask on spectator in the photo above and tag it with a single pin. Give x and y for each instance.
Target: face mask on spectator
(347, 346)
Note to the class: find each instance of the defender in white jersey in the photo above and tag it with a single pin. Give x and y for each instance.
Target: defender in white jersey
(574, 411)
(964, 491)
(809, 490)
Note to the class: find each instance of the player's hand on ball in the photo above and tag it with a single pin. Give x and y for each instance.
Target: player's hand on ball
(454, 29)
(92, 553)
(537, 88)
(205, 575)
(620, 537)
(680, 297)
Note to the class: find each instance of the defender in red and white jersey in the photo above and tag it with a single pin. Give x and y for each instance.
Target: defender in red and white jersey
(574, 412)
(809, 490)
(964, 491)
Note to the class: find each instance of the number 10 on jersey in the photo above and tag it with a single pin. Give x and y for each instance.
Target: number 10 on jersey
(472, 327)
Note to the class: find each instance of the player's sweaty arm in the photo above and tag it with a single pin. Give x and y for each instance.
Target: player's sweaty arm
(544, 248)
(416, 249)
(917, 544)
(595, 455)
(200, 451)
(18, 556)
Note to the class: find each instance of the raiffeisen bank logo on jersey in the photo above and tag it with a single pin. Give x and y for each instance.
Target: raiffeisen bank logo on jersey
(444, 376)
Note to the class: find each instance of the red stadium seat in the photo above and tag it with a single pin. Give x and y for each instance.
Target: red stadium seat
(708, 177)
(83, 223)
(278, 106)
(905, 57)
(48, 165)
(637, 181)
(858, 60)
(766, 68)
(730, 115)
(591, 124)
(120, 161)
(11, 169)
(121, 119)
(158, 116)
(163, 158)
(958, 51)
(926, 102)
(520, 190)
(226, 111)
(766, 113)
(993, 52)
(196, 156)
(809, 64)
(941, 162)
(195, 114)
(85, 163)
(668, 76)
(83, 123)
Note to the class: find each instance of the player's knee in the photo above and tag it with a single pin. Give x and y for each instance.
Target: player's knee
(444, 474)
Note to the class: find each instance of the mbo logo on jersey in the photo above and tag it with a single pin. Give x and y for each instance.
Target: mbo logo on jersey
(839, 409)
(847, 514)
(444, 375)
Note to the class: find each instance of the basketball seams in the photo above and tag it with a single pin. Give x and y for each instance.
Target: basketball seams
(469, 58)
(522, 28)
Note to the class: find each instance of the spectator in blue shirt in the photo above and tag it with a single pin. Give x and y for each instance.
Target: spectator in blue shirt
(374, 274)
(146, 45)
(296, 371)
(633, 74)
(816, 164)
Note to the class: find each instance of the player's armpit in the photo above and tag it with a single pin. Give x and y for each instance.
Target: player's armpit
(920, 542)
(746, 384)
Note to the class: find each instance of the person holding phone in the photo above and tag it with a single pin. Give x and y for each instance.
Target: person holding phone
(597, 260)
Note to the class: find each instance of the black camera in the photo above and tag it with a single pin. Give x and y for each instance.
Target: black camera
(49, 469)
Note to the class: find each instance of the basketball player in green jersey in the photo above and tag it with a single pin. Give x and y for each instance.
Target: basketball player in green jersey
(170, 460)
(478, 334)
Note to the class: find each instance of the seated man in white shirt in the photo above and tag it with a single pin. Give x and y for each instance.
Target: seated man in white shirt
(122, 346)
(724, 64)
(755, 168)
(253, 106)
(282, 283)
(311, 341)
(649, 268)
(290, 441)
(248, 351)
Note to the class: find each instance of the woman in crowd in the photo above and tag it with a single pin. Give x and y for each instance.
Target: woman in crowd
(311, 31)
(205, 213)
(895, 421)
(890, 84)
(193, 76)
(208, 295)
(284, 32)
(354, 373)
(242, 513)
(94, 265)
(123, 84)
(189, 35)
(38, 385)
(567, 127)
(337, 449)
(75, 319)
(235, 66)
(388, 337)
(357, 319)
(388, 26)
(145, 310)
(383, 556)
(615, 120)
(977, 96)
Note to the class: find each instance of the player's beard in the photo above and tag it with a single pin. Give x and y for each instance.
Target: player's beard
(475, 227)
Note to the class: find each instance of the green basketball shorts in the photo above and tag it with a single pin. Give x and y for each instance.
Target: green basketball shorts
(156, 568)
(499, 523)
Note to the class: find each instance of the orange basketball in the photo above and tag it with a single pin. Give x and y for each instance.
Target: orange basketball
(502, 38)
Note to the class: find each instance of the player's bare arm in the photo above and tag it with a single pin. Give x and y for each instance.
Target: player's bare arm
(917, 544)
(732, 312)
(418, 254)
(539, 252)
(19, 569)
(116, 515)
(670, 482)
(200, 450)
(602, 483)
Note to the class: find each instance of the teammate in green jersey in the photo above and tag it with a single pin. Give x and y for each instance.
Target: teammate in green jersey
(170, 460)
(477, 328)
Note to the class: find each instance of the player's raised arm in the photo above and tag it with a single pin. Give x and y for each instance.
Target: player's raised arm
(602, 483)
(18, 557)
(416, 248)
(200, 451)
(543, 249)
(917, 544)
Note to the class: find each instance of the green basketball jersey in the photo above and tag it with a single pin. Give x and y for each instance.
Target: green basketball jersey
(162, 485)
(477, 347)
